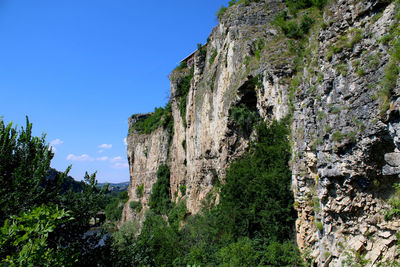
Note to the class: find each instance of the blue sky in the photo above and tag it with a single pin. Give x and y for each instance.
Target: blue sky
(79, 69)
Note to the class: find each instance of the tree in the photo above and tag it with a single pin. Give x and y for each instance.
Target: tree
(25, 185)
(23, 239)
(24, 164)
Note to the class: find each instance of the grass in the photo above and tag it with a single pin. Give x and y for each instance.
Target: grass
(335, 110)
(392, 69)
(319, 225)
(345, 41)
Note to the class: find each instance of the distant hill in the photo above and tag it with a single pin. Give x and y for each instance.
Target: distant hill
(69, 183)
(76, 186)
(116, 187)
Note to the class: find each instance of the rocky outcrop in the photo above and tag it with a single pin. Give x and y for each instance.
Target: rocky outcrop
(345, 155)
(345, 136)
(145, 153)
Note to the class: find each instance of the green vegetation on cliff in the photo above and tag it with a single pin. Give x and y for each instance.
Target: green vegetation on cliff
(251, 226)
(182, 91)
(160, 117)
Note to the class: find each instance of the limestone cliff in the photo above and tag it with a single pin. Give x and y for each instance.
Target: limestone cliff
(345, 124)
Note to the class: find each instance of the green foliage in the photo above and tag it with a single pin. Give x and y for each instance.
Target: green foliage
(355, 259)
(84, 206)
(213, 56)
(160, 198)
(139, 190)
(160, 117)
(157, 245)
(338, 136)
(256, 198)
(177, 214)
(24, 164)
(115, 205)
(24, 238)
(243, 118)
(221, 12)
(291, 28)
(335, 110)
(202, 50)
(246, 60)
(319, 225)
(282, 254)
(251, 226)
(136, 206)
(183, 88)
(182, 188)
(223, 9)
(181, 66)
(240, 253)
(258, 47)
(24, 168)
(295, 5)
(394, 202)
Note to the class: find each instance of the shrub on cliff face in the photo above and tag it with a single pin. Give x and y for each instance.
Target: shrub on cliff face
(295, 5)
(256, 199)
(160, 198)
(160, 117)
(243, 118)
(182, 91)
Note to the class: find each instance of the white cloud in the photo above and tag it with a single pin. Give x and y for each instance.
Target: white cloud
(83, 157)
(125, 141)
(102, 158)
(105, 146)
(120, 165)
(117, 159)
(56, 142)
(101, 151)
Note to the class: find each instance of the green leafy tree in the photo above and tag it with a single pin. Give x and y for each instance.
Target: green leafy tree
(24, 164)
(25, 185)
(256, 198)
(160, 198)
(24, 238)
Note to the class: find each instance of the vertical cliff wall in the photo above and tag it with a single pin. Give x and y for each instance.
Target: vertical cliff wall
(332, 81)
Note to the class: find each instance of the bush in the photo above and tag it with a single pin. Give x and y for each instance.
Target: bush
(24, 164)
(136, 206)
(160, 198)
(251, 226)
(139, 190)
(256, 198)
(160, 117)
(213, 56)
(291, 28)
(243, 117)
(295, 5)
(183, 88)
(114, 208)
(182, 188)
(24, 239)
(221, 12)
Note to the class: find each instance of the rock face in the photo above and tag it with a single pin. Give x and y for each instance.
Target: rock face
(346, 144)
